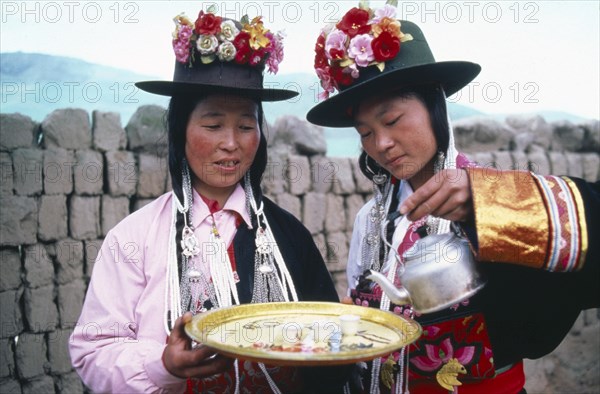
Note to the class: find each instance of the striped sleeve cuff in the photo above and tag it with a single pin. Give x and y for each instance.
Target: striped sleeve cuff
(567, 243)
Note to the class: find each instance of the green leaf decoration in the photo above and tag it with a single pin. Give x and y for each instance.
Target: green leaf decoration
(245, 20)
(207, 59)
(393, 3)
(363, 4)
(212, 9)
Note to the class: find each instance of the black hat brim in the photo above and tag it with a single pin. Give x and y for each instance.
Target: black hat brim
(168, 88)
(336, 111)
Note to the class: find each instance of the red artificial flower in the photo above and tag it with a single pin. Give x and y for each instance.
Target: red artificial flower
(242, 40)
(340, 77)
(320, 45)
(208, 24)
(320, 57)
(242, 45)
(336, 54)
(256, 56)
(355, 22)
(385, 46)
(242, 56)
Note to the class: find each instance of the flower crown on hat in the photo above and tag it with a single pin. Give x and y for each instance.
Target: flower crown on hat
(362, 38)
(211, 38)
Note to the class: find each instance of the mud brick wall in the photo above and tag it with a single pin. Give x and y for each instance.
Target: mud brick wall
(66, 181)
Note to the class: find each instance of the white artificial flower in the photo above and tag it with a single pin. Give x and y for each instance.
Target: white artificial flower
(226, 51)
(207, 44)
(228, 31)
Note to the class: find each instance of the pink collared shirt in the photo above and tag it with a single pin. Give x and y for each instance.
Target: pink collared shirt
(119, 339)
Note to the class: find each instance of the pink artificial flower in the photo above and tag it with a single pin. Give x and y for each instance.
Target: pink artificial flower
(360, 50)
(352, 70)
(276, 52)
(182, 54)
(185, 32)
(335, 45)
(387, 11)
(181, 44)
(328, 85)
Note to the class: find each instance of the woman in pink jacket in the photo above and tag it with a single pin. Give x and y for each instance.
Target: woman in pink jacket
(195, 248)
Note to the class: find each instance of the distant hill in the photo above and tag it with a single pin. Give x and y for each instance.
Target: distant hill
(308, 86)
(36, 84)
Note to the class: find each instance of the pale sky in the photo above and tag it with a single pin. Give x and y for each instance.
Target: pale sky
(535, 55)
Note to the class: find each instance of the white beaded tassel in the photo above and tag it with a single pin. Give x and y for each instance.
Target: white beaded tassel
(172, 291)
(221, 272)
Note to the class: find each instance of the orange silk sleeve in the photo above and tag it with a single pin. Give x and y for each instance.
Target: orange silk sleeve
(528, 219)
(510, 217)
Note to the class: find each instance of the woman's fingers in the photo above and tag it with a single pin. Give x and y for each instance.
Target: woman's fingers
(446, 195)
(451, 205)
(183, 361)
(213, 366)
(205, 367)
(178, 336)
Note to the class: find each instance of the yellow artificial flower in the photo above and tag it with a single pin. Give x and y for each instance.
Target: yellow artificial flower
(405, 37)
(390, 25)
(257, 33)
(182, 19)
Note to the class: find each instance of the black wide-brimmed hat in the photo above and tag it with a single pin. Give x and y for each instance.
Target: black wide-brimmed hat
(219, 55)
(412, 65)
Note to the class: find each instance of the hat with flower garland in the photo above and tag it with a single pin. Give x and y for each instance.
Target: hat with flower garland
(369, 52)
(220, 55)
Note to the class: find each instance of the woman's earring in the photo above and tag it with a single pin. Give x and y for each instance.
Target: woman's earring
(439, 162)
(379, 179)
(381, 189)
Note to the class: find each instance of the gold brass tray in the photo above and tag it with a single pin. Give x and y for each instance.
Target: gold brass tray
(302, 333)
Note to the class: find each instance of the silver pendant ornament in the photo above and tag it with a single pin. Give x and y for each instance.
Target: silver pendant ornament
(189, 243)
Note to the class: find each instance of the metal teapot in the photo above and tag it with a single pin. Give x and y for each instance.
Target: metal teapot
(439, 271)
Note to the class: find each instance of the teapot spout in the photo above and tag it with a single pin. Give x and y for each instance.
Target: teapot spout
(398, 296)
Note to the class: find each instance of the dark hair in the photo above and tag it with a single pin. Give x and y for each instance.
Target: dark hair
(177, 117)
(434, 99)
